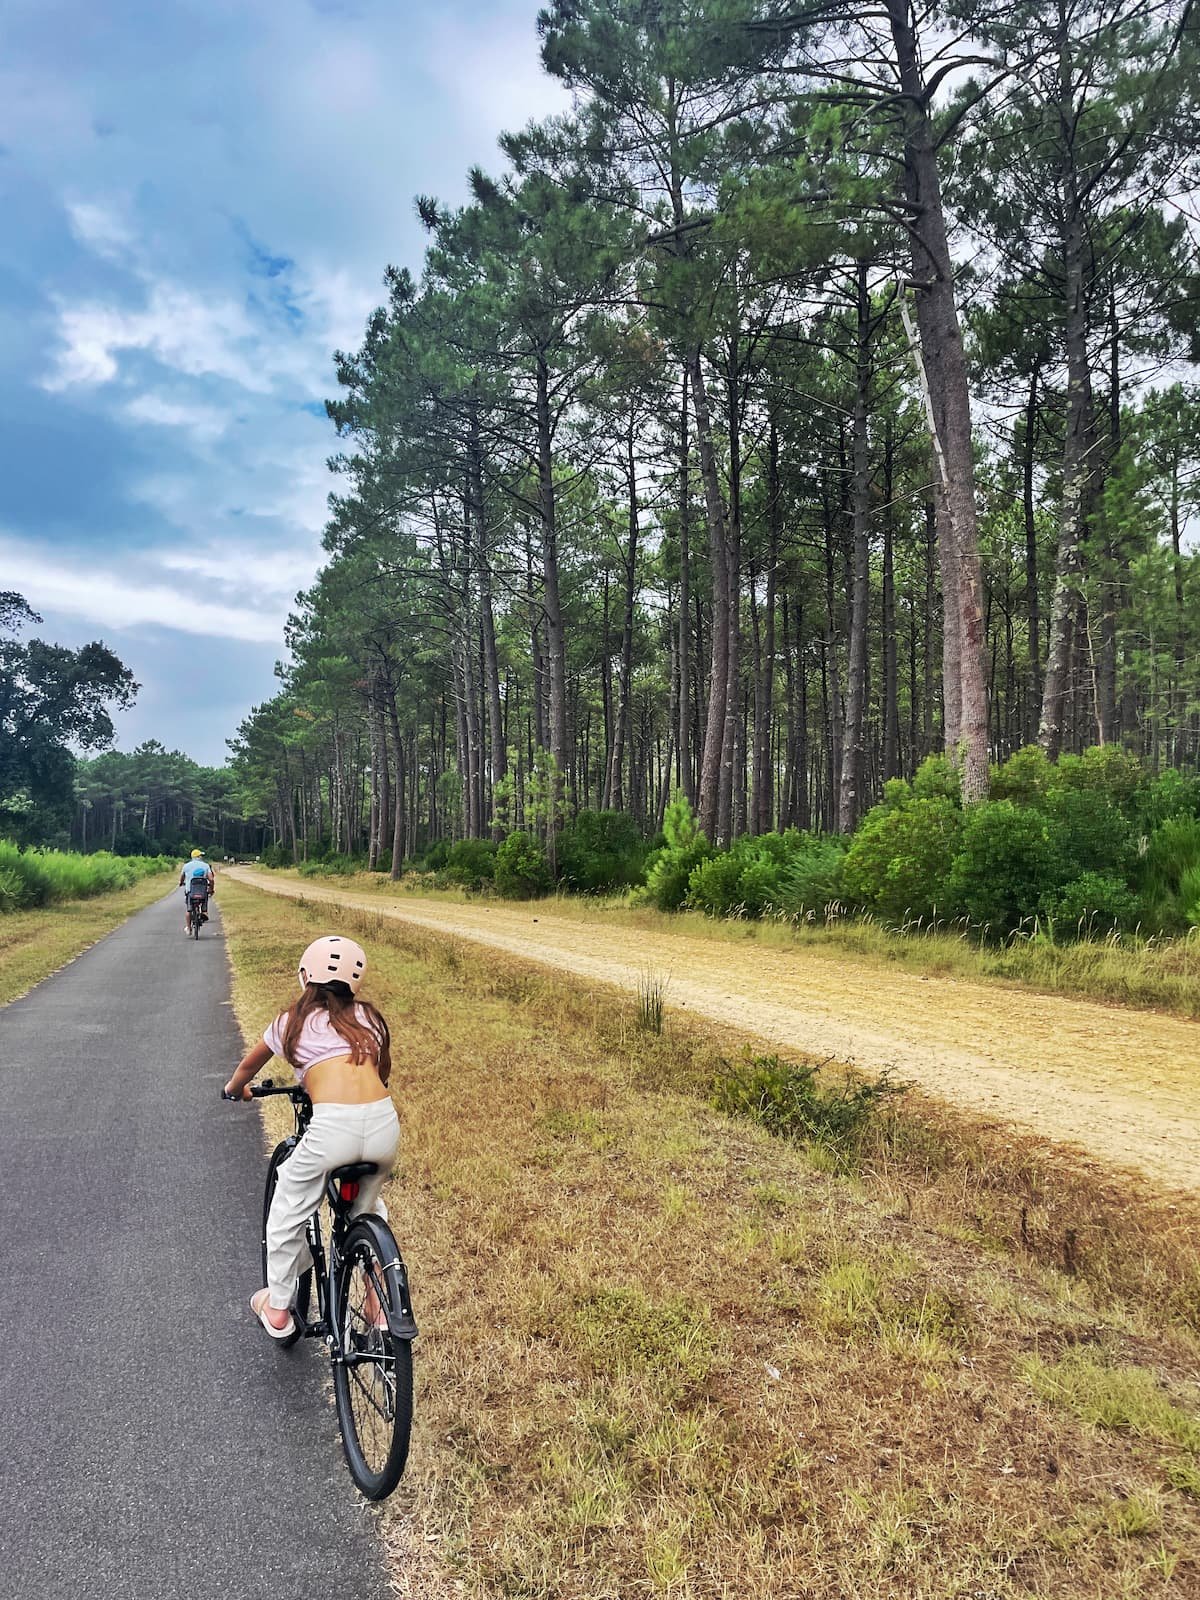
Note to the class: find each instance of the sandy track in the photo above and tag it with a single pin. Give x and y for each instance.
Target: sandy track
(1123, 1084)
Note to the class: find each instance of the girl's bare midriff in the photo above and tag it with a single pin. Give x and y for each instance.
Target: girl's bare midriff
(341, 1081)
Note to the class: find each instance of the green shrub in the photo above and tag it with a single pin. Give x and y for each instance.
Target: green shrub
(1107, 770)
(713, 883)
(1027, 777)
(1094, 902)
(1189, 895)
(521, 870)
(277, 855)
(899, 861)
(788, 872)
(791, 1102)
(669, 870)
(471, 863)
(336, 865)
(599, 851)
(1170, 794)
(1010, 861)
(813, 875)
(1171, 854)
(1094, 835)
(937, 779)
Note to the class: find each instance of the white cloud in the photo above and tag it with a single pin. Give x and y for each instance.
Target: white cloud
(100, 228)
(204, 423)
(274, 573)
(200, 336)
(113, 602)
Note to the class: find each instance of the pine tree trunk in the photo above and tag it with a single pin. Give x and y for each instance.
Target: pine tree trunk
(949, 398)
(718, 683)
(891, 686)
(1032, 587)
(623, 731)
(686, 780)
(498, 745)
(556, 648)
(853, 763)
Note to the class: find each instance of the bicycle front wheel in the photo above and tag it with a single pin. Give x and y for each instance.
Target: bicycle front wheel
(304, 1286)
(373, 1382)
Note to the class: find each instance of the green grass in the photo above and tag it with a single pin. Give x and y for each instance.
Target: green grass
(1119, 1399)
(32, 878)
(33, 944)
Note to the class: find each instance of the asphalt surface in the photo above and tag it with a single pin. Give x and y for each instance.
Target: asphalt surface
(153, 1443)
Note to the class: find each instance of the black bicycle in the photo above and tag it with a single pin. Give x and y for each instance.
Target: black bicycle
(363, 1313)
(197, 913)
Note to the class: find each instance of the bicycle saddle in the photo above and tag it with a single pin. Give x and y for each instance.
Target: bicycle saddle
(354, 1171)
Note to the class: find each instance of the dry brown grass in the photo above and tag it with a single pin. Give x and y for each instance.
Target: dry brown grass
(665, 1354)
(33, 944)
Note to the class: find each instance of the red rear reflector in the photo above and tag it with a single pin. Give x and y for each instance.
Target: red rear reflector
(349, 1191)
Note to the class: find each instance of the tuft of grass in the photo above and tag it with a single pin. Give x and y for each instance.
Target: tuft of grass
(794, 1102)
(858, 1299)
(1120, 1399)
(669, 1343)
(652, 995)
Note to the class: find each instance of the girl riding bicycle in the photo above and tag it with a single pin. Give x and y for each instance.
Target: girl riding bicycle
(340, 1049)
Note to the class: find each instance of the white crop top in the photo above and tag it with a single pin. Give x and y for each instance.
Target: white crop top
(319, 1040)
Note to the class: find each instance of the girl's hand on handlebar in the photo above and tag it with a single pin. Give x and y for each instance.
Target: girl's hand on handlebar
(230, 1092)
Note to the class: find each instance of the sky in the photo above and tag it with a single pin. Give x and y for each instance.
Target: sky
(199, 199)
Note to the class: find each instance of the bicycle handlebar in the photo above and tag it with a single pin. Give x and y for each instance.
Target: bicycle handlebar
(259, 1091)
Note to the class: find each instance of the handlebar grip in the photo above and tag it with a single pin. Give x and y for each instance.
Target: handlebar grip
(267, 1086)
(225, 1095)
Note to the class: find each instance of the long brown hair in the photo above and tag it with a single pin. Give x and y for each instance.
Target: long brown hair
(367, 1035)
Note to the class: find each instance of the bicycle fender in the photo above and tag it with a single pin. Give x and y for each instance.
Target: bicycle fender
(402, 1325)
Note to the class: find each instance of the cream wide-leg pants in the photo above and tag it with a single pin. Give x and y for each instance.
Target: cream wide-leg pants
(337, 1135)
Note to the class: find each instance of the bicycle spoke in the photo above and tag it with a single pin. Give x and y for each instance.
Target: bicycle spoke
(372, 1376)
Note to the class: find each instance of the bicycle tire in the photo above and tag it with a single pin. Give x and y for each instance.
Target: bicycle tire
(304, 1286)
(377, 1475)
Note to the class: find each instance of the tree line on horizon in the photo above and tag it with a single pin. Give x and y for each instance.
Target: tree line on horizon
(816, 395)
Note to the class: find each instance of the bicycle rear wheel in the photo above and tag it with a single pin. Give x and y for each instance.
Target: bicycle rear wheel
(304, 1287)
(373, 1383)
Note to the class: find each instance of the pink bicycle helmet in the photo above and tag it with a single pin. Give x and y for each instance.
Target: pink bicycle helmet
(333, 959)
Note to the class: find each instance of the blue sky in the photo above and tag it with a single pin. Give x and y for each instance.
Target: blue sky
(199, 199)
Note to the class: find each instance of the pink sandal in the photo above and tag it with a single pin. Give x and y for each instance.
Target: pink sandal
(258, 1305)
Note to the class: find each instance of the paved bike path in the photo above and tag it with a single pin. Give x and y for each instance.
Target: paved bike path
(153, 1444)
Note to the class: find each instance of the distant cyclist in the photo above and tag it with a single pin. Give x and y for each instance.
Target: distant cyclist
(198, 881)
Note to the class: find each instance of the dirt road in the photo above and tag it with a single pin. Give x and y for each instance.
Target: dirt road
(1123, 1084)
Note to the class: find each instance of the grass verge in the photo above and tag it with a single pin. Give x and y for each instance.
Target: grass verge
(665, 1352)
(1154, 974)
(33, 944)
